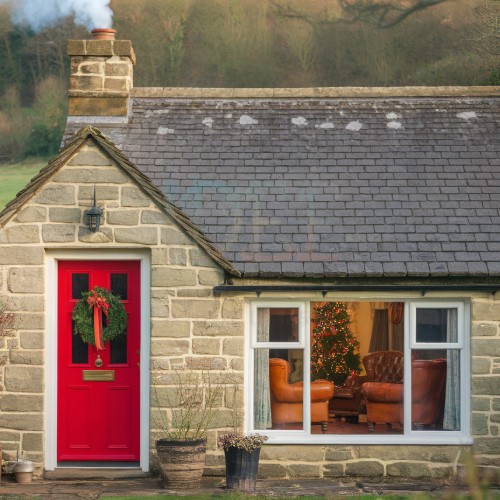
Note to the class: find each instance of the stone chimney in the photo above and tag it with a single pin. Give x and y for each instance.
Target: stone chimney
(101, 75)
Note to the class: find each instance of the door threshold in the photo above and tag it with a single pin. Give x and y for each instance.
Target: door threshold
(101, 472)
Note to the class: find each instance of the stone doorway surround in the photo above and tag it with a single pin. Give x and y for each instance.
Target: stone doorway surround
(50, 423)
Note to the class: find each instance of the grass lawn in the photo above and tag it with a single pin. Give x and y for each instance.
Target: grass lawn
(14, 176)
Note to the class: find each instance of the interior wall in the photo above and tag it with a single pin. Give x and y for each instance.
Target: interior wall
(362, 315)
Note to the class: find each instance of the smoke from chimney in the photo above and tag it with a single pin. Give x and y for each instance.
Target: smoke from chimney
(40, 14)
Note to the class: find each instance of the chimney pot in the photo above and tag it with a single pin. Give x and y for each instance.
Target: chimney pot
(103, 34)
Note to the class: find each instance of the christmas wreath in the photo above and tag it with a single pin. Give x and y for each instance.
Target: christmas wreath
(88, 312)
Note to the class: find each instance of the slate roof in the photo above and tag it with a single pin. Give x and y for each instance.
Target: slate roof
(142, 180)
(405, 187)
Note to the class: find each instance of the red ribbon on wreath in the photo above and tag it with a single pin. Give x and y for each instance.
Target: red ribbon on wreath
(100, 305)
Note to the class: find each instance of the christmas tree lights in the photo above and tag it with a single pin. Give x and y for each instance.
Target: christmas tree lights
(334, 349)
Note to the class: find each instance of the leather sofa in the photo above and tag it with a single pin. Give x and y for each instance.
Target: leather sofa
(384, 398)
(287, 398)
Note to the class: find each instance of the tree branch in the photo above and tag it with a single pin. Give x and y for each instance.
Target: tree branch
(383, 13)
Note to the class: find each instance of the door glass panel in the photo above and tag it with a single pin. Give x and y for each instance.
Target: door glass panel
(79, 349)
(118, 350)
(119, 285)
(79, 284)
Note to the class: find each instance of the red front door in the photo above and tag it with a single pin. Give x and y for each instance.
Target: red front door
(98, 420)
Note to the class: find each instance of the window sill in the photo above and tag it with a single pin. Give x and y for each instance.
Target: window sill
(420, 438)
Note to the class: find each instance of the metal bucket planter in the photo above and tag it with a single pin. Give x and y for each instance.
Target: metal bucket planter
(241, 468)
(23, 471)
(181, 462)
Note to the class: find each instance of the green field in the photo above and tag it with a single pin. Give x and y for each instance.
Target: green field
(15, 176)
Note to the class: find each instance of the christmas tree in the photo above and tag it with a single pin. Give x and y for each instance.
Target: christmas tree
(334, 350)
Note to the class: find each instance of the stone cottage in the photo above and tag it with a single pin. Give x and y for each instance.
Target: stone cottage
(236, 222)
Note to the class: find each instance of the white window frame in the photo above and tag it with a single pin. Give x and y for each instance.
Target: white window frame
(410, 436)
(460, 345)
(303, 316)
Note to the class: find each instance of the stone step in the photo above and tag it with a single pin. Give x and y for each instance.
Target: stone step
(94, 473)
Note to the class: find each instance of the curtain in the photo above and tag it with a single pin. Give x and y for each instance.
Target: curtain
(262, 395)
(380, 332)
(451, 420)
(398, 339)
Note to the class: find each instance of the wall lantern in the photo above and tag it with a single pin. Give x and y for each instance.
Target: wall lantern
(93, 216)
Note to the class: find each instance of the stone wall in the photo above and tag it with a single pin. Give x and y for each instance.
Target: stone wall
(485, 387)
(188, 325)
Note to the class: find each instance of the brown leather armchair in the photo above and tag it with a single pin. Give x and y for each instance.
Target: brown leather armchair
(384, 400)
(287, 399)
(428, 389)
(383, 393)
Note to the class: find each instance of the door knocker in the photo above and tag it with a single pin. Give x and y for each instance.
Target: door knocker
(98, 361)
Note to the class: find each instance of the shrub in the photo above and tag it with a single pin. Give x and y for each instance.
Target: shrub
(49, 118)
(248, 443)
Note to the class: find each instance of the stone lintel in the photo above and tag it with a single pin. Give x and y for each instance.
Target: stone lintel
(98, 106)
(98, 93)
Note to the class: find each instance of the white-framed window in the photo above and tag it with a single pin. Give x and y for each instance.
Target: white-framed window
(358, 371)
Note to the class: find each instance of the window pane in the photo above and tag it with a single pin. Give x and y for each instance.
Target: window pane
(278, 390)
(79, 284)
(278, 324)
(79, 349)
(435, 390)
(119, 285)
(437, 325)
(359, 345)
(118, 350)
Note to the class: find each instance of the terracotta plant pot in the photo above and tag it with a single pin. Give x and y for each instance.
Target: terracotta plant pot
(23, 471)
(103, 34)
(181, 462)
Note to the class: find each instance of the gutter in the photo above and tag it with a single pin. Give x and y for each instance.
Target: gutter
(324, 289)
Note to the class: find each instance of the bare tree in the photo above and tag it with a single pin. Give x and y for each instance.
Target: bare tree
(382, 13)
(487, 27)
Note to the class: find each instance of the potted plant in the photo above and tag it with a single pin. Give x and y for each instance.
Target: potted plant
(186, 406)
(242, 459)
